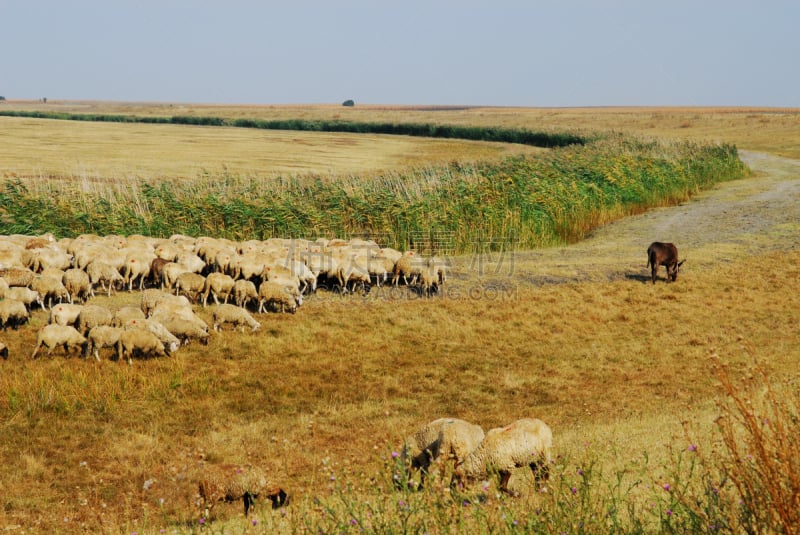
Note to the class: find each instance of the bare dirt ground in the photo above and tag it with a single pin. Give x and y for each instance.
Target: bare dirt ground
(746, 217)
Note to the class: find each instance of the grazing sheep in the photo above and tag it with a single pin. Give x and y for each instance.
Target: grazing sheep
(3, 351)
(51, 257)
(230, 483)
(126, 313)
(53, 272)
(170, 273)
(249, 265)
(104, 273)
(50, 288)
(14, 313)
(168, 310)
(277, 294)
(443, 439)
(193, 263)
(440, 267)
(141, 342)
(137, 266)
(151, 297)
(26, 295)
(239, 317)
(355, 270)
(429, 281)
(78, 285)
(17, 276)
(55, 335)
(218, 285)
(191, 284)
(244, 291)
(526, 442)
(186, 330)
(409, 265)
(155, 327)
(64, 314)
(92, 316)
(101, 336)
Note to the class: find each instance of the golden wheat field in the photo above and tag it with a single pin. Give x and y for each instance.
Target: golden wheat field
(577, 335)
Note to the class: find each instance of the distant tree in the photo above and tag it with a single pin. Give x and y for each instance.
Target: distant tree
(348, 102)
(44, 100)
(2, 97)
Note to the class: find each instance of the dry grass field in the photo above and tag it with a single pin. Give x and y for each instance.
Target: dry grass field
(574, 335)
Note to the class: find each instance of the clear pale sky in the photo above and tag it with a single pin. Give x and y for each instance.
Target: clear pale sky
(500, 52)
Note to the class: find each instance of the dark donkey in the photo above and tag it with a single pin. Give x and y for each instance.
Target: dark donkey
(663, 254)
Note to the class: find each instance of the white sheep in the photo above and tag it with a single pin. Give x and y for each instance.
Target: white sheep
(429, 281)
(443, 439)
(92, 316)
(151, 297)
(50, 289)
(168, 310)
(54, 335)
(141, 342)
(191, 284)
(170, 273)
(51, 257)
(137, 267)
(99, 337)
(244, 291)
(13, 313)
(526, 442)
(25, 295)
(64, 314)
(16, 276)
(155, 327)
(193, 263)
(218, 285)
(186, 330)
(78, 285)
(104, 274)
(123, 314)
(409, 265)
(277, 294)
(230, 483)
(239, 317)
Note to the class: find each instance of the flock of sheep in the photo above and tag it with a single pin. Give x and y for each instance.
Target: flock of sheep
(241, 278)
(173, 275)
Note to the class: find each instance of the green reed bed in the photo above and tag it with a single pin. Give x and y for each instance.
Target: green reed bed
(524, 202)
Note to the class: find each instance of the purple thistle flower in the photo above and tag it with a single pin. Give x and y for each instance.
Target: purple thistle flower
(574, 490)
(667, 487)
(669, 512)
(692, 447)
(395, 455)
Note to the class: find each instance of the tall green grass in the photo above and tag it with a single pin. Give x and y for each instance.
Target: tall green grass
(524, 202)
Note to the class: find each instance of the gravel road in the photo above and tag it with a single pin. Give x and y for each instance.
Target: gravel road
(746, 217)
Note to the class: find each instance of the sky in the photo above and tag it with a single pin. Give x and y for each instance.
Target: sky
(414, 52)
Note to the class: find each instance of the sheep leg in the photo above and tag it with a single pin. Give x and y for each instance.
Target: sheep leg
(248, 500)
(504, 478)
(36, 350)
(540, 471)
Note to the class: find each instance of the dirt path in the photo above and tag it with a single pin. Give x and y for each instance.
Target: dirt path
(744, 217)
